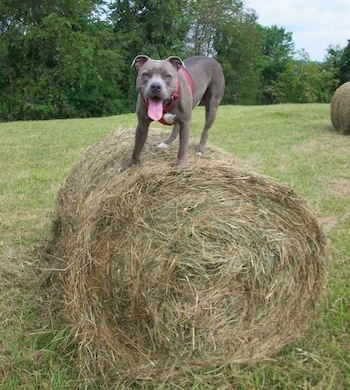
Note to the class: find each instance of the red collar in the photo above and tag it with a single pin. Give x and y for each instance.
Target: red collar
(171, 102)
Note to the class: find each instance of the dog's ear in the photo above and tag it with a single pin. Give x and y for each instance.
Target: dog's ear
(176, 62)
(139, 61)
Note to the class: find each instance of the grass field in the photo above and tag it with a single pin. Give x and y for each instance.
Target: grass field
(294, 144)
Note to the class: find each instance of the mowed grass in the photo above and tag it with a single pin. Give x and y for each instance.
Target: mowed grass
(294, 144)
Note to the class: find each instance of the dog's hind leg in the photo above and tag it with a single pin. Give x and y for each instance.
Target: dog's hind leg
(211, 99)
(171, 138)
(211, 106)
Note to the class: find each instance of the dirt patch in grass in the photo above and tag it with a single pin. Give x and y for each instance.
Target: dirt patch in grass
(308, 147)
(329, 222)
(341, 142)
(338, 187)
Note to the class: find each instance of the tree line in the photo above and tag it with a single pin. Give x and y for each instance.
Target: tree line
(64, 59)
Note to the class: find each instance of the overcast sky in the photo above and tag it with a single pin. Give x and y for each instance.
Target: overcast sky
(315, 24)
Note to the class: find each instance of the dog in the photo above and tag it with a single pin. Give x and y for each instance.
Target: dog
(168, 91)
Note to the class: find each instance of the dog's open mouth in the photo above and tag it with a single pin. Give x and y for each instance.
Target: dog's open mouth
(155, 109)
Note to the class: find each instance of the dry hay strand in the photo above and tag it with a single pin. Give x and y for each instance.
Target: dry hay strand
(340, 109)
(167, 270)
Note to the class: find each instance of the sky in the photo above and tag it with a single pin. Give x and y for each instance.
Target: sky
(315, 24)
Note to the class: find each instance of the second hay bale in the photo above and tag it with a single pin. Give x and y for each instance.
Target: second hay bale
(172, 270)
(340, 109)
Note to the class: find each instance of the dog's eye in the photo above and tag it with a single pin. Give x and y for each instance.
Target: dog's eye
(168, 76)
(145, 74)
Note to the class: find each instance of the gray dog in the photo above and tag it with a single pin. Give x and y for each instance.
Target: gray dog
(168, 91)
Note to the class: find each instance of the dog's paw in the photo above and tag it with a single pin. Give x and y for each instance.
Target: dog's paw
(163, 145)
(125, 165)
(199, 154)
(180, 163)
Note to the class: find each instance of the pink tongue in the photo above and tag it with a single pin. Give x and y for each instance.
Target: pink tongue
(155, 109)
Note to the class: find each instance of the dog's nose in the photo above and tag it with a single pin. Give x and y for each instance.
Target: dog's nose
(156, 87)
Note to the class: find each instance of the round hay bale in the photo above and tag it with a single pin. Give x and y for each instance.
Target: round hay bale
(167, 270)
(340, 109)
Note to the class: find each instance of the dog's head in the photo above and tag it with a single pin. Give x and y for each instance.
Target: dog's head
(156, 81)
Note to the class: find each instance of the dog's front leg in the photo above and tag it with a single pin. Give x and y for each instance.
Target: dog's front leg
(184, 140)
(140, 139)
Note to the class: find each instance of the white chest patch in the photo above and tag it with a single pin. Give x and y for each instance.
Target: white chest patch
(169, 118)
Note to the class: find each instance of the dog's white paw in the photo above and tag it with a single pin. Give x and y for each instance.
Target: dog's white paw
(199, 154)
(163, 145)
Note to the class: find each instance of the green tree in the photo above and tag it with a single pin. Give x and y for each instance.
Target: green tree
(344, 65)
(152, 27)
(237, 43)
(302, 81)
(277, 50)
(330, 68)
(206, 18)
(53, 61)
